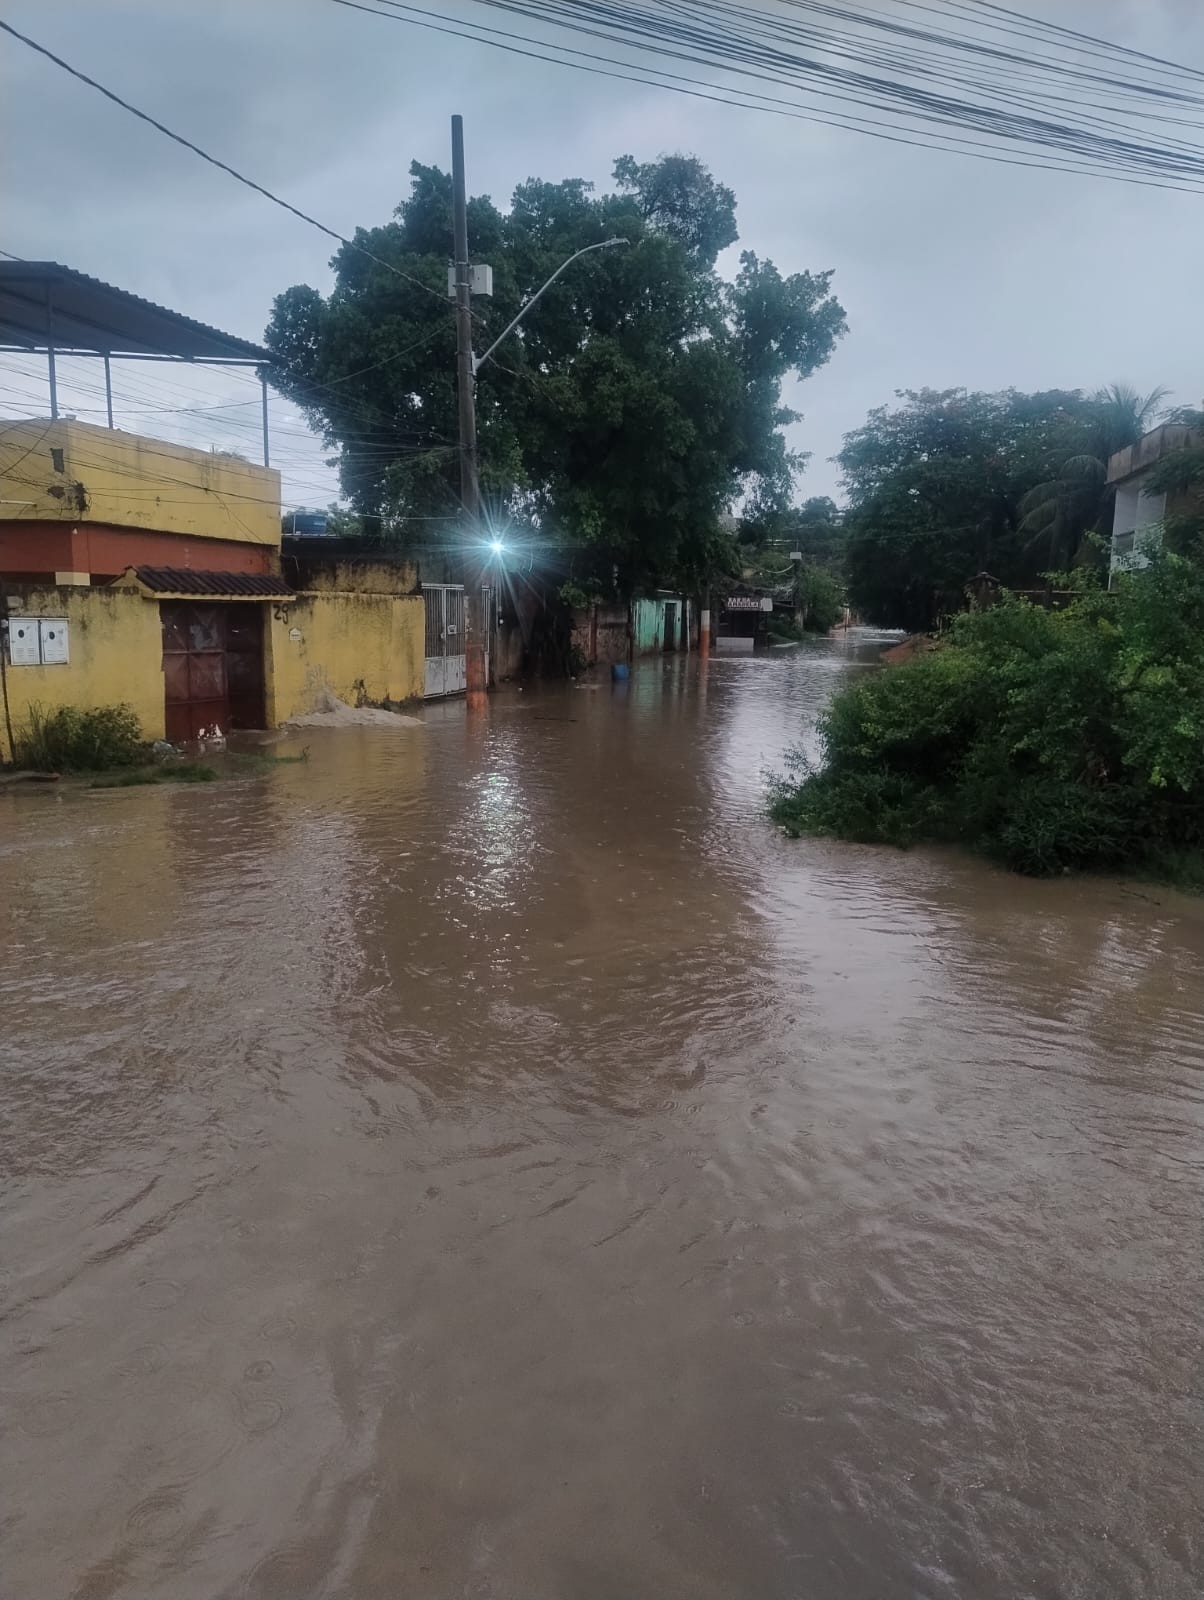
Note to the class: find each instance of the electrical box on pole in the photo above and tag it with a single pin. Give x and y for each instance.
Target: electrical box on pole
(480, 281)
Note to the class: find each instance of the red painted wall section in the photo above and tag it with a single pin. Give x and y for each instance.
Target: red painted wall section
(39, 550)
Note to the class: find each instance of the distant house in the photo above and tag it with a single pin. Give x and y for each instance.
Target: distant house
(744, 615)
(1139, 514)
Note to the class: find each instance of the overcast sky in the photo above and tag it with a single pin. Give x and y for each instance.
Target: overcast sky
(952, 271)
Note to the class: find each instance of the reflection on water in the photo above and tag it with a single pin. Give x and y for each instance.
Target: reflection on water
(487, 1159)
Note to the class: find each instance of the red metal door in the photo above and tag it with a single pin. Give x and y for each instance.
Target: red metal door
(244, 664)
(212, 668)
(194, 670)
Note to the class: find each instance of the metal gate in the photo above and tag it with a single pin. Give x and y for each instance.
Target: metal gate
(212, 668)
(488, 628)
(445, 645)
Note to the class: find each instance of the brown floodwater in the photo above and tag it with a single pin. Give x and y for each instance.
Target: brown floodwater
(487, 1160)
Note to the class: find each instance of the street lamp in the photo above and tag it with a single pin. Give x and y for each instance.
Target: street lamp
(607, 244)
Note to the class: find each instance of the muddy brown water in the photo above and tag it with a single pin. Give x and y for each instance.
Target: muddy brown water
(487, 1161)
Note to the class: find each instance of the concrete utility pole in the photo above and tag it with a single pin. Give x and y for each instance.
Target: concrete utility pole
(467, 367)
(470, 482)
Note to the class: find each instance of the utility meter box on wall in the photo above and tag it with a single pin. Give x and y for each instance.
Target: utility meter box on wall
(37, 641)
(24, 647)
(52, 633)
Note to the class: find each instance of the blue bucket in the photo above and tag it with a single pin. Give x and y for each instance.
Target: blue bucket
(618, 671)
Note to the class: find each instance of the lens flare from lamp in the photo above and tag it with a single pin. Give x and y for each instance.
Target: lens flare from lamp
(496, 546)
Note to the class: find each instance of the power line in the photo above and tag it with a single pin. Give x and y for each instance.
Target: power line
(353, 446)
(1088, 38)
(397, 355)
(213, 161)
(372, 423)
(910, 50)
(1093, 150)
(969, 13)
(655, 27)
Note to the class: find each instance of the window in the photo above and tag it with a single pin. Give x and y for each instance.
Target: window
(56, 459)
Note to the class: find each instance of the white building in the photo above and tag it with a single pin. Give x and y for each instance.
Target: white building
(1139, 513)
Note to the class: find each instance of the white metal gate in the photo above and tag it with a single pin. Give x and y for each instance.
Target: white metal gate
(445, 664)
(488, 628)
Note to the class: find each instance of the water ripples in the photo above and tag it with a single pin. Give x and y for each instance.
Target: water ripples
(427, 1159)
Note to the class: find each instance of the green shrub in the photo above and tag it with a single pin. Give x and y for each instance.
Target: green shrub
(1050, 740)
(70, 740)
(822, 599)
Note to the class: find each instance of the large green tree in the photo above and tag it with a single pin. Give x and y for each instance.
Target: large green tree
(640, 398)
(951, 483)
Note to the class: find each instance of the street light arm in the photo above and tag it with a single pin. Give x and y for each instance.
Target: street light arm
(479, 361)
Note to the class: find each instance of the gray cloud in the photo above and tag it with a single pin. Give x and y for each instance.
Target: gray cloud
(952, 271)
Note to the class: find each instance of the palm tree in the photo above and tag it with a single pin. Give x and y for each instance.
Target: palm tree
(1059, 511)
(1123, 416)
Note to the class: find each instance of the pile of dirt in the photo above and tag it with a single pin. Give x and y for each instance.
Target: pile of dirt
(916, 644)
(336, 713)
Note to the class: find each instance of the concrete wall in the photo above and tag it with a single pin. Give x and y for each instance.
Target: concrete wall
(127, 481)
(361, 648)
(353, 575)
(116, 657)
(1150, 448)
(602, 634)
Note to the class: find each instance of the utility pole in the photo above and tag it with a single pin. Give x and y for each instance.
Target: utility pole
(470, 482)
(470, 485)
(478, 612)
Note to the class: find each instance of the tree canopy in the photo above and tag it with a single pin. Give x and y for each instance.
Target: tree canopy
(951, 483)
(640, 398)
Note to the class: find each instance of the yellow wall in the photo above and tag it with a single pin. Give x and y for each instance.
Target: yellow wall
(131, 482)
(361, 648)
(116, 649)
(359, 577)
(409, 625)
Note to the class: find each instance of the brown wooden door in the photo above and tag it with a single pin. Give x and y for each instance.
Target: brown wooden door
(212, 668)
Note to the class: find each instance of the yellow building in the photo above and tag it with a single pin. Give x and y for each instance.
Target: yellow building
(138, 572)
(86, 503)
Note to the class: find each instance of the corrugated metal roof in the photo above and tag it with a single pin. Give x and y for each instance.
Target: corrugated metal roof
(41, 298)
(216, 585)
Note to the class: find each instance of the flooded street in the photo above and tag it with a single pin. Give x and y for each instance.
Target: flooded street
(487, 1160)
